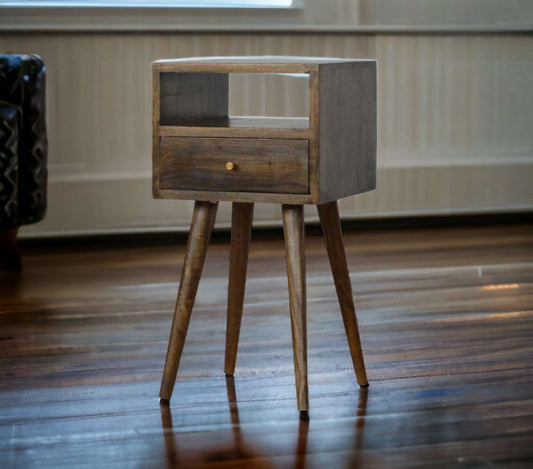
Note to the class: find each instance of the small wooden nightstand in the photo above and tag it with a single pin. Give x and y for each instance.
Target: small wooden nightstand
(202, 154)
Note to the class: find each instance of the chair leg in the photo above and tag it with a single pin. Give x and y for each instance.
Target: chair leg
(293, 224)
(9, 254)
(241, 231)
(200, 233)
(331, 227)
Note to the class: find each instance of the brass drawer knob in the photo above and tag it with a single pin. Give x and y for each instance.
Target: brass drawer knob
(230, 166)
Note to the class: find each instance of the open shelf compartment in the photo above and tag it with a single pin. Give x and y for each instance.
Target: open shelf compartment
(198, 104)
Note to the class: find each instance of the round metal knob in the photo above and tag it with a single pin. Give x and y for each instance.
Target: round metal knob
(230, 166)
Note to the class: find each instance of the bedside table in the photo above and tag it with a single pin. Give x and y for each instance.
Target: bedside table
(201, 153)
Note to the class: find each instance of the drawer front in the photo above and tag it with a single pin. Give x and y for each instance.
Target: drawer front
(234, 165)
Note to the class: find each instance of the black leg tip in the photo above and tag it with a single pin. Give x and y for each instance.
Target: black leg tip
(228, 375)
(304, 415)
(164, 401)
(364, 385)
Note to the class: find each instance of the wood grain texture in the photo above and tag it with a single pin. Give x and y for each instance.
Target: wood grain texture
(444, 313)
(212, 66)
(199, 236)
(348, 129)
(249, 64)
(341, 133)
(156, 113)
(246, 127)
(314, 141)
(293, 228)
(331, 228)
(241, 232)
(229, 196)
(260, 165)
(252, 61)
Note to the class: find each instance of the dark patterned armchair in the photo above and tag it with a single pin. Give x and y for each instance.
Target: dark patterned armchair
(23, 150)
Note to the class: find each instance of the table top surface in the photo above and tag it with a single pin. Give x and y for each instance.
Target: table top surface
(264, 59)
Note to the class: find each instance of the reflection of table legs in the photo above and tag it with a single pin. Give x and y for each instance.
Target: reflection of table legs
(239, 451)
(293, 223)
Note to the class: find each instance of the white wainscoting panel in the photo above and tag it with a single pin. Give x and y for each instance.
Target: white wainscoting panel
(455, 122)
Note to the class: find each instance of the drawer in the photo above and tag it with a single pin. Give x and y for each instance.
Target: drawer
(234, 165)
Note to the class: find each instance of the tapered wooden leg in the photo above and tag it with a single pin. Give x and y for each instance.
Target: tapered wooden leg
(241, 231)
(201, 226)
(293, 224)
(331, 227)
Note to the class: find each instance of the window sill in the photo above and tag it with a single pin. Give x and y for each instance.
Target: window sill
(304, 16)
(124, 5)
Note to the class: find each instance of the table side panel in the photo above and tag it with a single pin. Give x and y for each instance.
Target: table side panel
(155, 130)
(314, 129)
(348, 129)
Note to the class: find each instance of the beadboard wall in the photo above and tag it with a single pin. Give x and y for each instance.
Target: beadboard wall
(455, 122)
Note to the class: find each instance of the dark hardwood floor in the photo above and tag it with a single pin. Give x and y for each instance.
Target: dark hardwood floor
(446, 321)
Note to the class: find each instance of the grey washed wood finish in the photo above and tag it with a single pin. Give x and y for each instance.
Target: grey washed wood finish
(260, 165)
(258, 60)
(241, 234)
(293, 228)
(199, 236)
(246, 127)
(348, 130)
(237, 160)
(331, 228)
(340, 133)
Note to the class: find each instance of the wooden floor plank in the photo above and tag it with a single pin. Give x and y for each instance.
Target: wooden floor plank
(445, 318)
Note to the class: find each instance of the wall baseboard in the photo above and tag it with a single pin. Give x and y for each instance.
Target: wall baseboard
(115, 240)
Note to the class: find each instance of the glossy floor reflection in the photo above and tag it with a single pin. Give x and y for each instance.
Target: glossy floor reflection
(246, 451)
